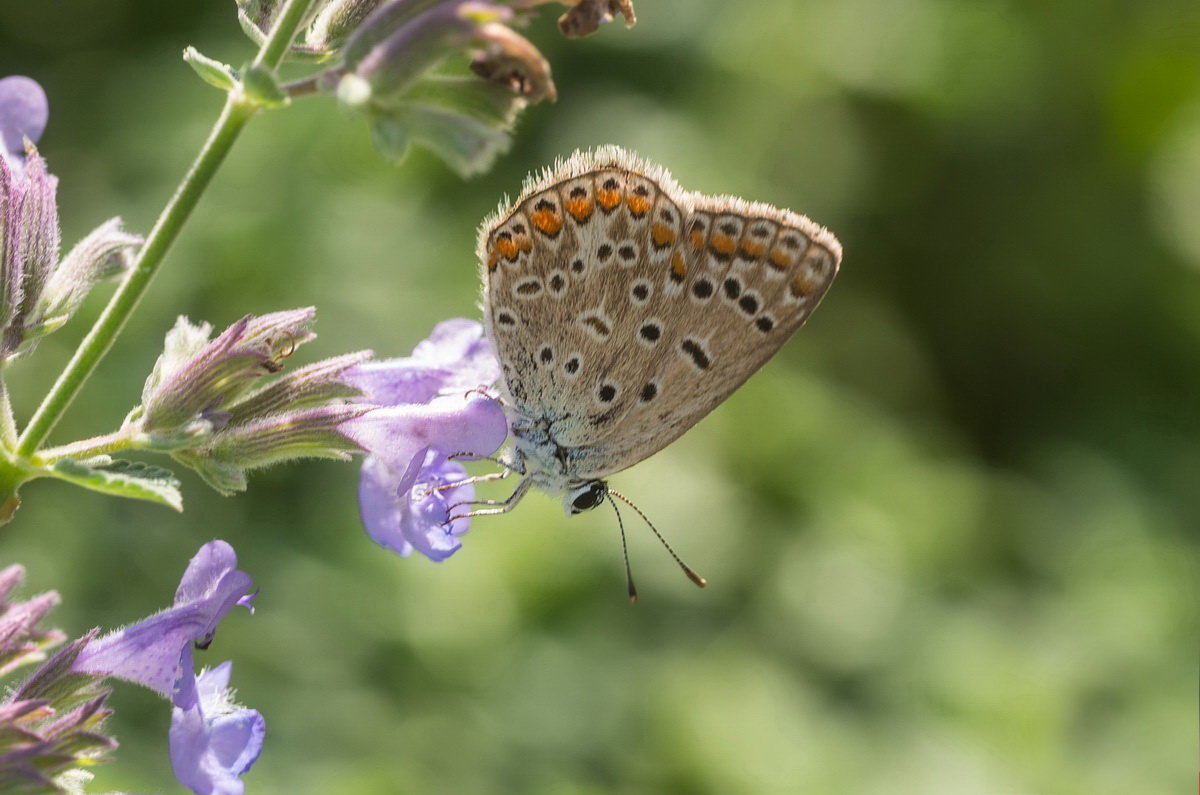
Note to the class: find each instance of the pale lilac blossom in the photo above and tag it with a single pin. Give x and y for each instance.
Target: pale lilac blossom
(215, 741)
(24, 112)
(156, 652)
(430, 406)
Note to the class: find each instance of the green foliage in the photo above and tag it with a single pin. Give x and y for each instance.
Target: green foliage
(213, 72)
(949, 531)
(122, 479)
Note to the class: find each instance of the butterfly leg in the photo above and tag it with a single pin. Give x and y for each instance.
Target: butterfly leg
(473, 480)
(469, 456)
(485, 391)
(502, 506)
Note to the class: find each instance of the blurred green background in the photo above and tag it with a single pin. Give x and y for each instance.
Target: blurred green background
(949, 530)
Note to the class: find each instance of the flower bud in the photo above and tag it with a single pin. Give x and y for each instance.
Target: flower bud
(205, 403)
(511, 60)
(38, 293)
(295, 416)
(29, 241)
(105, 253)
(51, 724)
(314, 385)
(335, 21)
(391, 56)
(195, 381)
(236, 449)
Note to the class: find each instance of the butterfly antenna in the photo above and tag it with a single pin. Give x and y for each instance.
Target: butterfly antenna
(625, 553)
(692, 575)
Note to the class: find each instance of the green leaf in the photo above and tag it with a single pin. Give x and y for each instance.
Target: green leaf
(391, 137)
(122, 479)
(465, 143)
(491, 103)
(212, 72)
(261, 85)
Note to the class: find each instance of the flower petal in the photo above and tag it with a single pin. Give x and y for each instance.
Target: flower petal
(460, 345)
(413, 517)
(214, 742)
(24, 111)
(456, 356)
(156, 652)
(452, 424)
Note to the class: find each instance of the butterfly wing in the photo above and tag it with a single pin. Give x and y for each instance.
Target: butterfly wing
(558, 265)
(624, 309)
(753, 274)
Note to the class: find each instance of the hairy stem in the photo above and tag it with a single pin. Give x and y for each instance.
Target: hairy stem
(8, 425)
(86, 448)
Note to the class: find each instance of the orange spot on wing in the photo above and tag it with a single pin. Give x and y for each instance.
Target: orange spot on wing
(677, 264)
(524, 243)
(801, 286)
(780, 260)
(722, 244)
(506, 247)
(548, 221)
(662, 235)
(638, 205)
(580, 209)
(752, 249)
(493, 259)
(697, 239)
(608, 198)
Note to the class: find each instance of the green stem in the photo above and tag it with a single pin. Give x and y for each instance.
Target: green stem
(102, 335)
(237, 111)
(270, 55)
(8, 425)
(86, 448)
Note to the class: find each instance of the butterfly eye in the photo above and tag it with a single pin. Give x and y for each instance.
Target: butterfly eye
(587, 496)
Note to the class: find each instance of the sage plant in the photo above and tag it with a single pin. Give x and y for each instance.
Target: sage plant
(225, 404)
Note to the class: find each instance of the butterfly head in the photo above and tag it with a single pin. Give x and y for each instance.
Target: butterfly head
(585, 496)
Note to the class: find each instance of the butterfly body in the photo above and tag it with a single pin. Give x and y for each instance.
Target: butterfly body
(624, 309)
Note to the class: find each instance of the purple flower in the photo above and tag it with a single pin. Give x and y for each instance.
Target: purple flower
(212, 740)
(156, 652)
(456, 357)
(196, 379)
(38, 291)
(215, 741)
(428, 408)
(29, 244)
(23, 115)
(221, 408)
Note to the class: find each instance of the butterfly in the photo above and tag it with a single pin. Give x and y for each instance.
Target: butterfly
(623, 309)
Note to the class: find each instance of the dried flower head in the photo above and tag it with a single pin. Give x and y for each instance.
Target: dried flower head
(397, 65)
